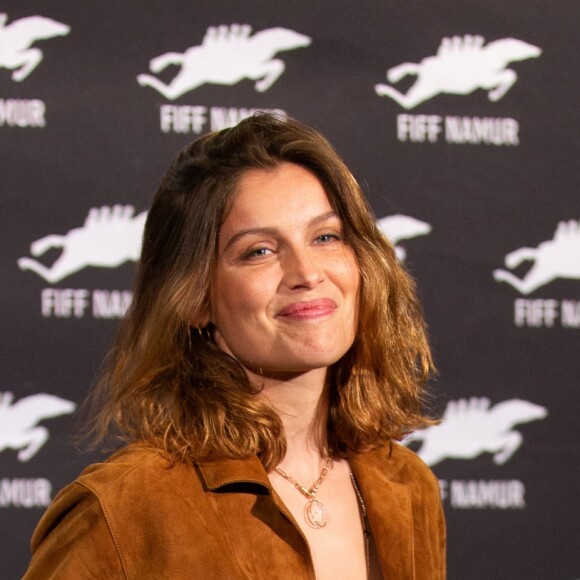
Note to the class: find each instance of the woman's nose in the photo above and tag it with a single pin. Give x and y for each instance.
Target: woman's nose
(301, 269)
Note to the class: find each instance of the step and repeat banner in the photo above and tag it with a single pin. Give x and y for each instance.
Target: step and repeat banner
(461, 122)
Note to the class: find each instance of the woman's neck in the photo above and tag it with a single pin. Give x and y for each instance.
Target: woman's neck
(300, 400)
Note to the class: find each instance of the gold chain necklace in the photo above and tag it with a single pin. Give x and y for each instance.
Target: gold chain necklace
(315, 512)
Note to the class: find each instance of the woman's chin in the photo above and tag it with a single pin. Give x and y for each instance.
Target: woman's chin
(298, 365)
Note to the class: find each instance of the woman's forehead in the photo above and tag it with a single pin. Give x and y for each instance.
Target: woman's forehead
(289, 193)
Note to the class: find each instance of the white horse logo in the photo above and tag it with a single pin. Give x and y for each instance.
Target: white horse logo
(556, 258)
(17, 38)
(461, 66)
(19, 421)
(471, 427)
(108, 238)
(401, 227)
(227, 55)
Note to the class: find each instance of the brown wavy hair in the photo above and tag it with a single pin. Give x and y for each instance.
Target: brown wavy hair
(168, 385)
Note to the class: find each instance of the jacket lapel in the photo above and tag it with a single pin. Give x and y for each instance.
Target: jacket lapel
(221, 472)
(388, 505)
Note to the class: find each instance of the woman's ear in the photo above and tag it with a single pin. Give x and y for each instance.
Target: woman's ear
(200, 321)
(201, 318)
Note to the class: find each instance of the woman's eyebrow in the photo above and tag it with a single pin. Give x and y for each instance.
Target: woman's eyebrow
(271, 230)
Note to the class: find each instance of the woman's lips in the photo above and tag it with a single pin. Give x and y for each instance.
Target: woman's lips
(310, 309)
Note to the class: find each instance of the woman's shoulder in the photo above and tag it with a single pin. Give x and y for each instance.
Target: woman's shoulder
(406, 460)
(133, 464)
(136, 471)
(108, 503)
(117, 513)
(135, 475)
(399, 464)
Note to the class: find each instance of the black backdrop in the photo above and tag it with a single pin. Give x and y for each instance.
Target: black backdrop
(465, 180)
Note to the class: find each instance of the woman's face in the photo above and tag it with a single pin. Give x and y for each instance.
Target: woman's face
(285, 293)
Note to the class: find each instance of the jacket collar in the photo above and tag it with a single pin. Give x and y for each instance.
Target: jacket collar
(217, 473)
(388, 505)
(222, 472)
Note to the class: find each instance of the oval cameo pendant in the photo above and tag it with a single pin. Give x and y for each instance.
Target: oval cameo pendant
(315, 514)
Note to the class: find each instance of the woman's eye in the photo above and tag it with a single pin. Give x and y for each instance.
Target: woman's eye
(328, 238)
(256, 253)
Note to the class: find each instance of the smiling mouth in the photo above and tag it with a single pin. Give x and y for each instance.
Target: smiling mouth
(308, 310)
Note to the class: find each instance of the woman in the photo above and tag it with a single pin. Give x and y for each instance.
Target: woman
(273, 353)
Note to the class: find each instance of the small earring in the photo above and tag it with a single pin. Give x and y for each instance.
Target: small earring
(204, 333)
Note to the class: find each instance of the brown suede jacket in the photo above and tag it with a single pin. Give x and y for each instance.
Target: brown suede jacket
(131, 517)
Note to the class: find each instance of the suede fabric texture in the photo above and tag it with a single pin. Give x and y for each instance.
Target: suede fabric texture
(132, 517)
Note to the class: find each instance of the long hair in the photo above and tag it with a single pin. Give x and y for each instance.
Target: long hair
(168, 385)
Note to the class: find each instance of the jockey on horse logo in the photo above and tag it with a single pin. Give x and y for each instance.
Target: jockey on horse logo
(19, 421)
(227, 55)
(462, 65)
(555, 258)
(471, 427)
(402, 227)
(109, 237)
(17, 38)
